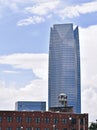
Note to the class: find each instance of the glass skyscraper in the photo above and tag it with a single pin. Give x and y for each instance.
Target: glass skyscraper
(64, 66)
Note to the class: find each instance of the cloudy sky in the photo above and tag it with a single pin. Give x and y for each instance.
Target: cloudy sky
(24, 45)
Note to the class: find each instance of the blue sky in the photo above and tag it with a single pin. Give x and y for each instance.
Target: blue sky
(24, 45)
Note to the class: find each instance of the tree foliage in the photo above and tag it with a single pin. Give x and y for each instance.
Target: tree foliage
(93, 126)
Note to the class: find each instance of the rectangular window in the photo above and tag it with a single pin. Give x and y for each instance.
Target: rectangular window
(37, 128)
(37, 120)
(64, 121)
(9, 119)
(55, 120)
(64, 129)
(18, 128)
(28, 119)
(46, 129)
(9, 128)
(19, 119)
(47, 120)
(81, 121)
(0, 118)
(29, 128)
(73, 121)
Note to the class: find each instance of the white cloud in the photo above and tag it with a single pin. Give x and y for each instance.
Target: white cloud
(88, 50)
(88, 43)
(30, 20)
(11, 72)
(38, 11)
(37, 4)
(35, 90)
(56, 8)
(77, 10)
(43, 8)
(36, 62)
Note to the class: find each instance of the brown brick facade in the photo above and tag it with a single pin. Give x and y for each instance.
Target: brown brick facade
(15, 120)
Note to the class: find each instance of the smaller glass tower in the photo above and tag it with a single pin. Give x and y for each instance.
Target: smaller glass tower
(30, 106)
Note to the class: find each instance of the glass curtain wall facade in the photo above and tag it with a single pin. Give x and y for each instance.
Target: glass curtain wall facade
(30, 106)
(64, 66)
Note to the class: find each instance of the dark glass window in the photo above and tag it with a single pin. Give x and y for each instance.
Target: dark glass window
(47, 120)
(64, 129)
(9, 119)
(18, 128)
(81, 121)
(55, 120)
(19, 119)
(73, 121)
(29, 128)
(64, 121)
(37, 120)
(9, 128)
(28, 119)
(37, 128)
(46, 129)
(0, 118)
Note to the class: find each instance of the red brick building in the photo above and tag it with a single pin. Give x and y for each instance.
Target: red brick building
(37, 120)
